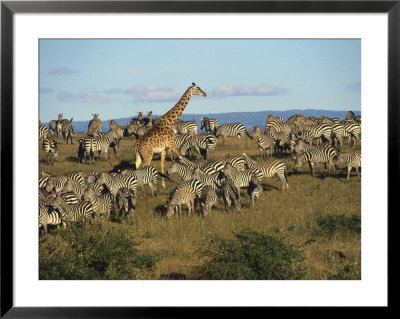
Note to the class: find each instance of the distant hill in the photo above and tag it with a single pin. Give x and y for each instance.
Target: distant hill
(249, 119)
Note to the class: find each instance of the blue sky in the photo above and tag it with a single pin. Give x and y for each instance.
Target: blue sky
(117, 78)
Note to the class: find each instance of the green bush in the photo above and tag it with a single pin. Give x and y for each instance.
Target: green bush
(84, 251)
(250, 256)
(348, 272)
(330, 224)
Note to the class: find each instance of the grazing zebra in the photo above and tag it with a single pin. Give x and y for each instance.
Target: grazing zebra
(210, 125)
(57, 183)
(43, 132)
(208, 180)
(208, 200)
(181, 127)
(352, 160)
(354, 131)
(278, 125)
(68, 132)
(239, 178)
(301, 146)
(74, 187)
(269, 169)
(282, 140)
(114, 183)
(317, 132)
(48, 216)
(338, 132)
(230, 195)
(325, 154)
(145, 176)
(102, 144)
(101, 204)
(73, 212)
(182, 143)
(183, 171)
(50, 147)
(264, 142)
(195, 184)
(255, 189)
(95, 125)
(126, 201)
(181, 196)
(202, 141)
(232, 129)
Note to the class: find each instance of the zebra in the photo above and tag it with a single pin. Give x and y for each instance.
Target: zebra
(68, 132)
(354, 131)
(145, 176)
(269, 169)
(137, 129)
(255, 189)
(183, 171)
(182, 143)
(74, 187)
(208, 199)
(208, 180)
(126, 201)
(43, 132)
(95, 125)
(201, 141)
(338, 132)
(48, 216)
(102, 143)
(57, 183)
(264, 142)
(325, 154)
(320, 131)
(101, 204)
(278, 125)
(53, 127)
(50, 147)
(73, 212)
(210, 125)
(114, 183)
(282, 140)
(352, 160)
(181, 127)
(232, 129)
(240, 178)
(302, 146)
(181, 196)
(230, 195)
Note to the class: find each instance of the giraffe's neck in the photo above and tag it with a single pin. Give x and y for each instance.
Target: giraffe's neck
(169, 118)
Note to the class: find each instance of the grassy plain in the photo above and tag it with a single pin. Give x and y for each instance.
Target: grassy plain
(307, 216)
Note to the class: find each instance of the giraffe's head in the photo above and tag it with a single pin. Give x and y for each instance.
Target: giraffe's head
(197, 91)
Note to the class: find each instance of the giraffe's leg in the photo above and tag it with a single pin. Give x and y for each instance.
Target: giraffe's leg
(163, 168)
(138, 159)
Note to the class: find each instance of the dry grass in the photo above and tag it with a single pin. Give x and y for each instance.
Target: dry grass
(290, 213)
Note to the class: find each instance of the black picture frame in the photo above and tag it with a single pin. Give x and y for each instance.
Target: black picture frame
(9, 8)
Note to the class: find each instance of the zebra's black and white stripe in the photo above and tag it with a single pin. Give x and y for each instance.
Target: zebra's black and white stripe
(181, 127)
(74, 212)
(230, 195)
(184, 195)
(269, 169)
(50, 147)
(232, 129)
(325, 154)
(101, 204)
(255, 189)
(114, 183)
(210, 125)
(147, 175)
(183, 171)
(48, 216)
(352, 160)
(208, 199)
(68, 132)
(43, 132)
(201, 141)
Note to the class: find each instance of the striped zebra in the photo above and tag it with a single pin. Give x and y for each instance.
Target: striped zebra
(269, 169)
(302, 146)
(68, 132)
(208, 180)
(208, 199)
(201, 141)
(352, 160)
(183, 171)
(126, 201)
(57, 183)
(50, 147)
(95, 125)
(74, 187)
(279, 126)
(210, 125)
(43, 132)
(318, 132)
(181, 142)
(195, 184)
(102, 143)
(73, 212)
(230, 195)
(354, 131)
(147, 175)
(101, 204)
(255, 189)
(232, 129)
(271, 118)
(48, 216)
(281, 140)
(239, 178)
(325, 154)
(114, 183)
(181, 196)
(137, 129)
(264, 142)
(181, 127)
(53, 127)
(338, 132)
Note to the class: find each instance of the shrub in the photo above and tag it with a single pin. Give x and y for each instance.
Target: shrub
(330, 224)
(348, 272)
(84, 251)
(249, 256)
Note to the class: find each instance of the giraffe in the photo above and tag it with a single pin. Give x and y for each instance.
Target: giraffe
(160, 136)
